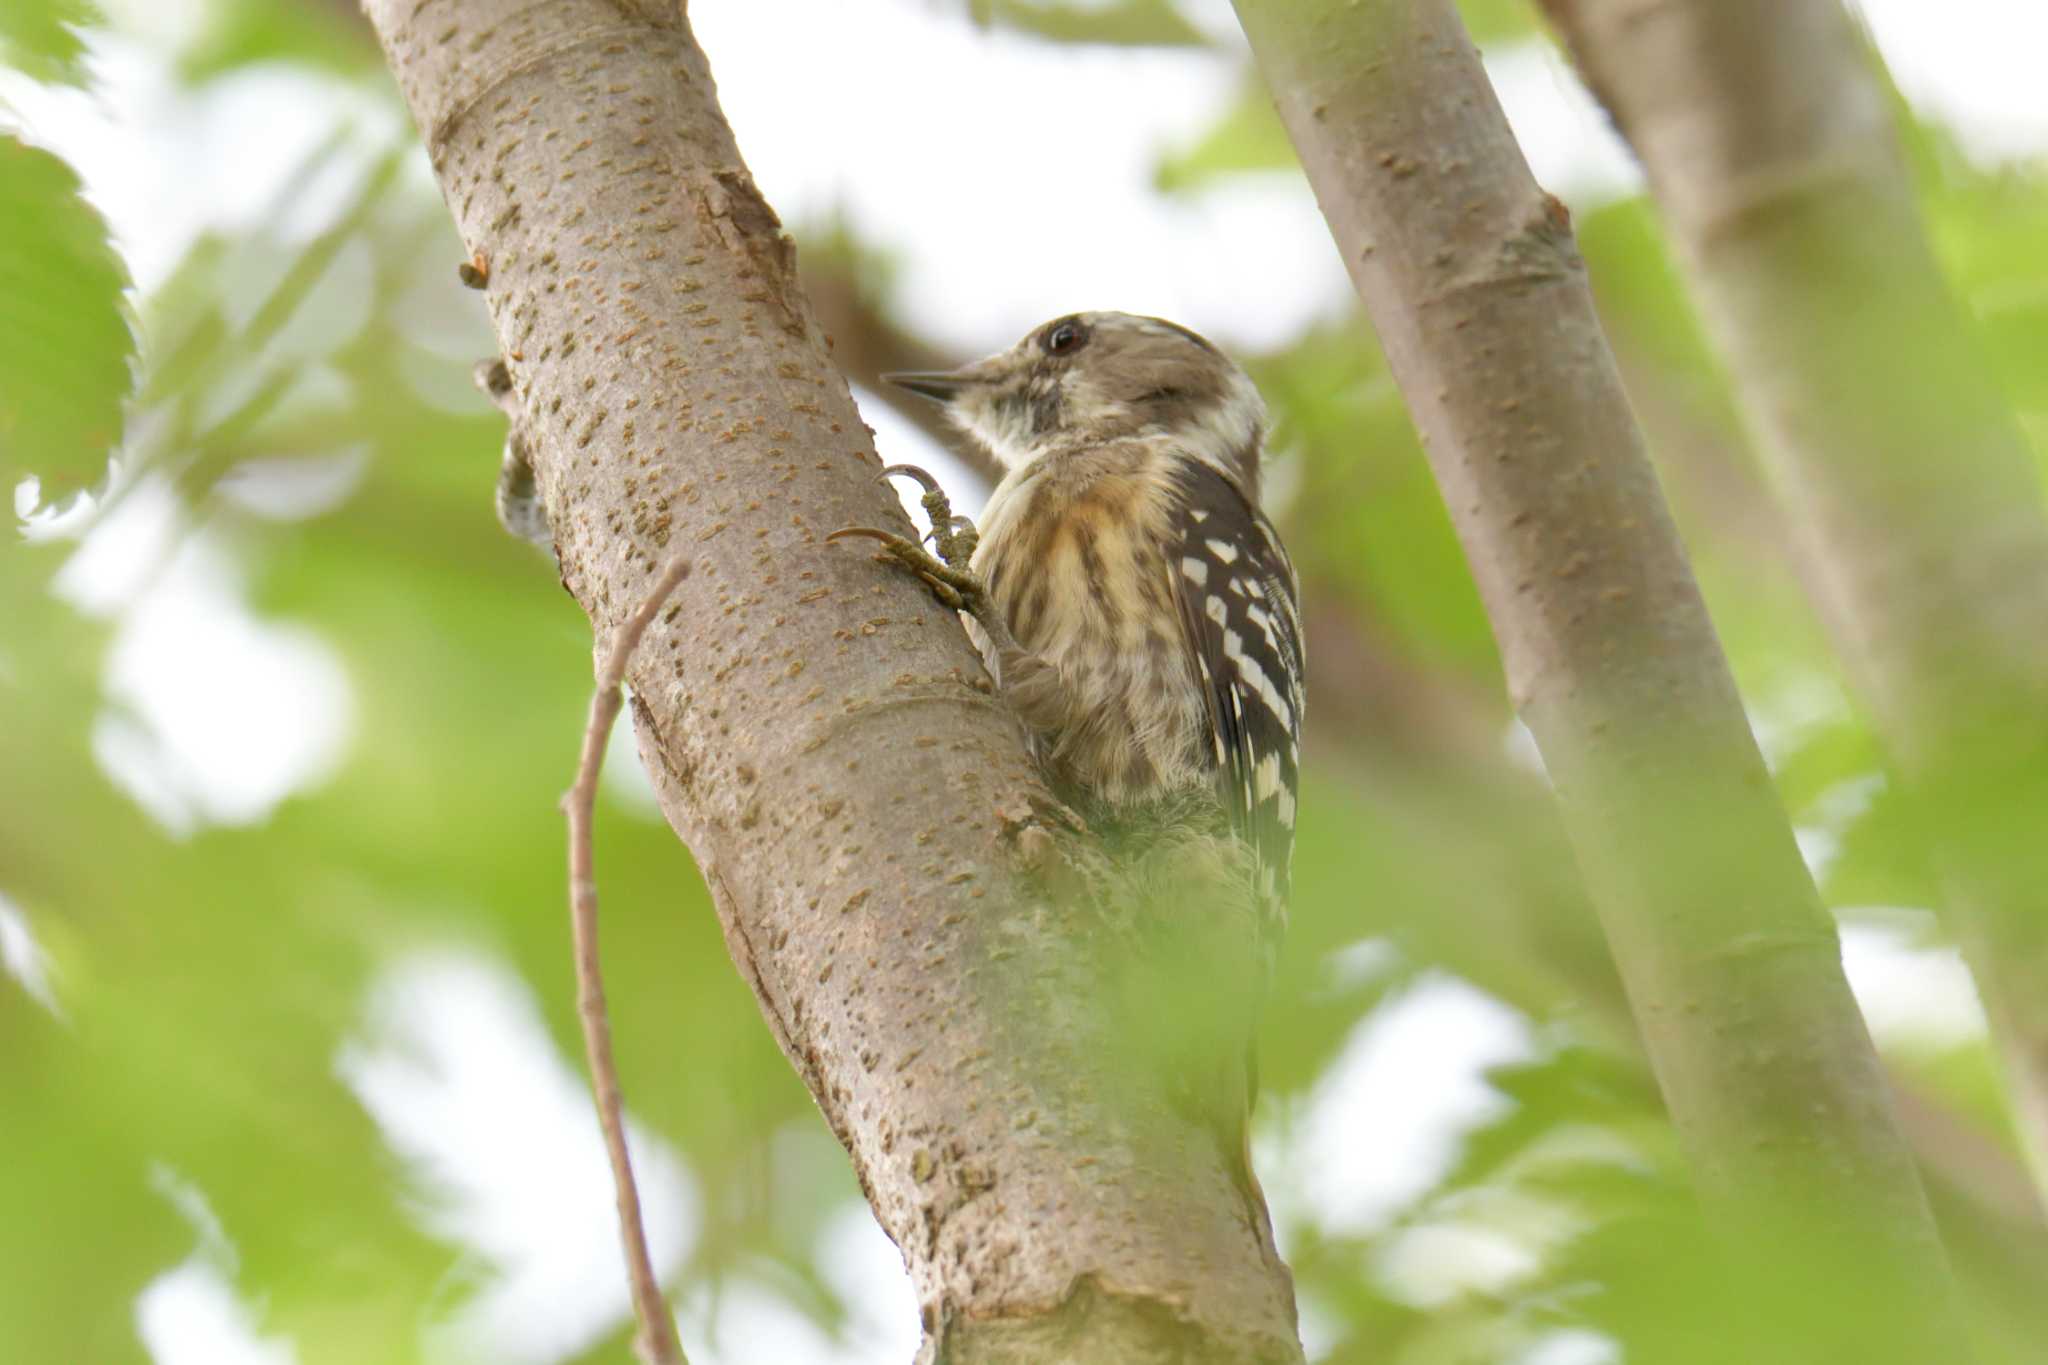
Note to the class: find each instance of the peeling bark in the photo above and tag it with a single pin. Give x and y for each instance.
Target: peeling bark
(1732, 966)
(949, 973)
(1905, 480)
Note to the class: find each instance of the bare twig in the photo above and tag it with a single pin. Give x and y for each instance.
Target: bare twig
(656, 1343)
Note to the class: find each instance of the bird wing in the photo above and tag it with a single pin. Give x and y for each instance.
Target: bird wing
(1239, 604)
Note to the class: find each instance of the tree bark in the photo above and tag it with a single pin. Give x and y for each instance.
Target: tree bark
(1907, 484)
(935, 957)
(1731, 964)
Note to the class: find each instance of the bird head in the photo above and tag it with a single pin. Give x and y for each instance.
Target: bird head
(1092, 378)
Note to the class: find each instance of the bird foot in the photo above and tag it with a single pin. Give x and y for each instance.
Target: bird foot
(946, 573)
(1031, 685)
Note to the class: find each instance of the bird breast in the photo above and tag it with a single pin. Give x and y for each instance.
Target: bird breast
(1075, 552)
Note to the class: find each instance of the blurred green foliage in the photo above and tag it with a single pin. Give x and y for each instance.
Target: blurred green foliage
(238, 33)
(40, 38)
(207, 977)
(65, 342)
(1248, 137)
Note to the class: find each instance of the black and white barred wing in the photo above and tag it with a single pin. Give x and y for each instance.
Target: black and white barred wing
(1240, 608)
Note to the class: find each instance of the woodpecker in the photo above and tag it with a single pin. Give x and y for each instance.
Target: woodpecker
(1132, 601)
(1134, 605)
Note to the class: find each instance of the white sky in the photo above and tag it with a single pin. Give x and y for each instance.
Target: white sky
(1010, 179)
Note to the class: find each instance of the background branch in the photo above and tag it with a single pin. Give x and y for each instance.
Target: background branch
(1732, 966)
(1905, 480)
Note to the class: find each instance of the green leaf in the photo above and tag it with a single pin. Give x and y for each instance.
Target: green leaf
(39, 38)
(65, 341)
(1129, 23)
(241, 33)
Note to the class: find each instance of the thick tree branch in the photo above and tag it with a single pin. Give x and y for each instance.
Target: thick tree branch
(1906, 482)
(1732, 966)
(821, 735)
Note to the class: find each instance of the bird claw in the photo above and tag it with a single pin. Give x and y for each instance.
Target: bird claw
(958, 588)
(949, 574)
(953, 536)
(913, 472)
(956, 524)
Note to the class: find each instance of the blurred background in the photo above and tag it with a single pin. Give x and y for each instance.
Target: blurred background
(289, 1069)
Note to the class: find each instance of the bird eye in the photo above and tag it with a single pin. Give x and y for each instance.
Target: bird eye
(1065, 337)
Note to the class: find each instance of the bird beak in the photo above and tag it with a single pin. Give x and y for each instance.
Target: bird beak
(949, 386)
(941, 386)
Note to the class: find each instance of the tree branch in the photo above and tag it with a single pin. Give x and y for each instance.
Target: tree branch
(945, 968)
(1732, 966)
(657, 1340)
(1905, 480)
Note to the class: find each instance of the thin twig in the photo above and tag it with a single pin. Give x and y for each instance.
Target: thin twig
(656, 1343)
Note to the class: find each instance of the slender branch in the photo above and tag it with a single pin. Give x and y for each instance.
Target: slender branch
(656, 1343)
(1906, 482)
(1732, 966)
